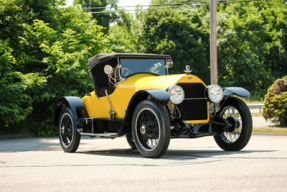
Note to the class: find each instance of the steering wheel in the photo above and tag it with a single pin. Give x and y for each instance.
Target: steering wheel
(128, 71)
(115, 79)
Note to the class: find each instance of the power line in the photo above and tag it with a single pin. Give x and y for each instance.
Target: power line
(149, 5)
(193, 4)
(123, 10)
(204, 2)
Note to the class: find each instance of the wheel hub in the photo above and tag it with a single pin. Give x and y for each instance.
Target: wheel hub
(143, 129)
(234, 122)
(63, 130)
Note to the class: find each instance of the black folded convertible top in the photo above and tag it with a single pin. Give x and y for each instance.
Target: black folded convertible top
(106, 57)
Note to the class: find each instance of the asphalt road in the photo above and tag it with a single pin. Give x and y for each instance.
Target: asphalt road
(261, 122)
(39, 164)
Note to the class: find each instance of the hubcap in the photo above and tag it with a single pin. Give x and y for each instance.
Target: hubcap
(235, 123)
(143, 129)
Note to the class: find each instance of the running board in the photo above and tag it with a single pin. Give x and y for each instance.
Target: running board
(98, 134)
(190, 135)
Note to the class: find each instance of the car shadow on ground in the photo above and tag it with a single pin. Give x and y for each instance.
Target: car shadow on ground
(172, 154)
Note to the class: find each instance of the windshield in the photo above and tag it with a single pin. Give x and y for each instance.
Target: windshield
(132, 66)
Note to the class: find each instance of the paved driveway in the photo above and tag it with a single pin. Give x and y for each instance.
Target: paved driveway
(39, 164)
(260, 122)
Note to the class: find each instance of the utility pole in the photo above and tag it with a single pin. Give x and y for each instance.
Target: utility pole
(213, 44)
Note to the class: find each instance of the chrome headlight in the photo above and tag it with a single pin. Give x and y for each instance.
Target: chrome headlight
(215, 93)
(176, 94)
(108, 69)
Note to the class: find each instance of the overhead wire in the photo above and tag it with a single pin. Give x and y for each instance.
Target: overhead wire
(190, 4)
(183, 3)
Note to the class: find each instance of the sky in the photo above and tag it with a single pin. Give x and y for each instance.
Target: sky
(123, 2)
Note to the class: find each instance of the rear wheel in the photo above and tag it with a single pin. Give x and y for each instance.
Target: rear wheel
(235, 138)
(68, 134)
(131, 141)
(151, 128)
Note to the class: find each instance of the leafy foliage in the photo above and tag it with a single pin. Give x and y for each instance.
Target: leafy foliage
(11, 88)
(242, 46)
(275, 104)
(45, 61)
(104, 19)
(43, 129)
(178, 33)
(124, 36)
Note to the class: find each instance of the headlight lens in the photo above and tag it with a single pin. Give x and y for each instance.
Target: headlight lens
(215, 93)
(176, 94)
(108, 69)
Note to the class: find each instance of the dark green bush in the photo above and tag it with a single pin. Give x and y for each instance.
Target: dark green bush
(43, 129)
(275, 103)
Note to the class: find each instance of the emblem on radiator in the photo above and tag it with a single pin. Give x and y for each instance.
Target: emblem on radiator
(189, 78)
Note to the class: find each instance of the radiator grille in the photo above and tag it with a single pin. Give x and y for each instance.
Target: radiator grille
(193, 90)
(194, 107)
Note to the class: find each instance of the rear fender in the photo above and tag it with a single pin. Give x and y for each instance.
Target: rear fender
(74, 103)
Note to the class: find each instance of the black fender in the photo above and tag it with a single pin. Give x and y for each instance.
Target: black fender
(157, 94)
(74, 103)
(241, 92)
(139, 96)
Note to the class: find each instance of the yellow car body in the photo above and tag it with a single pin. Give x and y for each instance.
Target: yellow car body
(121, 97)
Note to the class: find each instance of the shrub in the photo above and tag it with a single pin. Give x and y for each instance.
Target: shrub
(275, 103)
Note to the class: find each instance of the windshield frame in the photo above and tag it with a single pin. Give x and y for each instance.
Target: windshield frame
(144, 72)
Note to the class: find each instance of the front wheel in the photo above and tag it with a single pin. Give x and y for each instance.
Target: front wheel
(68, 134)
(236, 137)
(151, 128)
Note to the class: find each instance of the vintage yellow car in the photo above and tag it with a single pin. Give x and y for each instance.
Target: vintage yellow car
(135, 96)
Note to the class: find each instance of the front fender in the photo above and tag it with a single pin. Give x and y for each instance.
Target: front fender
(74, 103)
(241, 92)
(158, 94)
(139, 96)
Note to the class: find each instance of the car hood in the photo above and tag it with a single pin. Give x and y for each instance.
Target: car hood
(163, 82)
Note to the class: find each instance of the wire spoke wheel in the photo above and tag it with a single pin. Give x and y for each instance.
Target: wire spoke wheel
(148, 131)
(151, 128)
(231, 135)
(68, 134)
(236, 136)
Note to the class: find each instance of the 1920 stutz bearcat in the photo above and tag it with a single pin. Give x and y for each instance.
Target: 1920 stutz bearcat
(135, 96)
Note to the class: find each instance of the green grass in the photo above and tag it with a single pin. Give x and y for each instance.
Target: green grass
(278, 130)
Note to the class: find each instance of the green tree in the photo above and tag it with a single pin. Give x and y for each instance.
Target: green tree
(179, 33)
(104, 19)
(124, 36)
(243, 44)
(274, 18)
(49, 61)
(11, 89)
